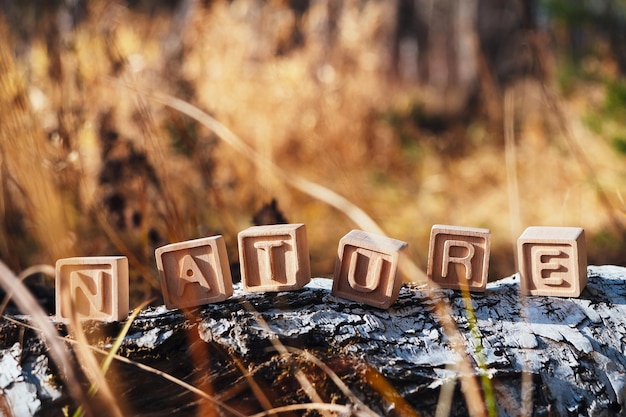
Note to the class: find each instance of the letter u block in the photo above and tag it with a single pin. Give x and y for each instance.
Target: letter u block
(194, 272)
(274, 258)
(552, 261)
(97, 287)
(458, 257)
(366, 268)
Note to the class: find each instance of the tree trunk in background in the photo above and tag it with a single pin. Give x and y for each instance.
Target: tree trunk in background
(543, 356)
(436, 46)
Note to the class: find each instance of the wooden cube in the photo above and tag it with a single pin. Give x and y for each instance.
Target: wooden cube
(366, 268)
(552, 261)
(97, 287)
(458, 257)
(274, 258)
(194, 272)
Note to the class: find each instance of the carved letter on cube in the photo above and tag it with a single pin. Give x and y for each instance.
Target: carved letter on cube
(366, 269)
(194, 272)
(459, 257)
(274, 258)
(552, 261)
(97, 287)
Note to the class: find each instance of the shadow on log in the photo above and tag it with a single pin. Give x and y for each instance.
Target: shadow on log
(396, 362)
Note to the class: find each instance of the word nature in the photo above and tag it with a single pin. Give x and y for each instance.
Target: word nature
(552, 262)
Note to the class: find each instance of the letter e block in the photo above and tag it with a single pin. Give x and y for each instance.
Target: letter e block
(366, 268)
(552, 261)
(97, 287)
(194, 272)
(458, 257)
(274, 258)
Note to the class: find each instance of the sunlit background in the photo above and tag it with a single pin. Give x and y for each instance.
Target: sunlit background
(477, 113)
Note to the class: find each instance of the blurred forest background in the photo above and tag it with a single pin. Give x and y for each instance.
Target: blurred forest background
(482, 113)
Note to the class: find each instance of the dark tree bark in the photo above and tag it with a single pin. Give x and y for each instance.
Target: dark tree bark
(571, 351)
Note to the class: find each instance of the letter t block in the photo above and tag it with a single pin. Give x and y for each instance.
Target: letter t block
(194, 272)
(458, 257)
(96, 286)
(366, 268)
(552, 261)
(274, 258)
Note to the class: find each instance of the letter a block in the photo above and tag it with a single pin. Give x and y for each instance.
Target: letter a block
(97, 287)
(552, 261)
(459, 257)
(194, 272)
(366, 269)
(274, 258)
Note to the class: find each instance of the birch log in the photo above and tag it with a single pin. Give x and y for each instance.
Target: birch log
(541, 355)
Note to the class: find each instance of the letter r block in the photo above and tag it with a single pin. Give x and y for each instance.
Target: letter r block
(458, 257)
(366, 268)
(552, 261)
(97, 287)
(194, 272)
(274, 258)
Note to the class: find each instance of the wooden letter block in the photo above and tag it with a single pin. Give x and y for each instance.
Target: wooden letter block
(366, 267)
(552, 261)
(458, 257)
(194, 272)
(274, 258)
(98, 287)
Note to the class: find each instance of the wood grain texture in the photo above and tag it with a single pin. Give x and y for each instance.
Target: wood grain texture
(552, 261)
(458, 257)
(274, 257)
(97, 287)
(194, 272)
(570, 348)
(366, 269)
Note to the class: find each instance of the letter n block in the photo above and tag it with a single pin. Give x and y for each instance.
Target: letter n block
(458, 257)
(97, 287)
(552, 261)
(366, 268)
(274, 258)
(194, 272)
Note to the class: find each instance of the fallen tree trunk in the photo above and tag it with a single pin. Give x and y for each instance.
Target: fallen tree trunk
(541, 355)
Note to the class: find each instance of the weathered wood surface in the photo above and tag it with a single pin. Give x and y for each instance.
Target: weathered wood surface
(572, 348)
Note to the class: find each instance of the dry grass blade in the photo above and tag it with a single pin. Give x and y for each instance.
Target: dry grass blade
(469, 385)
(37, 269)
(254, 386)
(28, 305)
(304, 382)
(526, 406)
(308, 187)
(476, 336)
(379, 383)
(120, 337)
(106, 363)
(335, 378)
(323, 407)
(318, 191)
(122, 247)
(200, 360)
(176, 381)
(620, 197)
(142, 367)
(85, 356)
(582, 159)
(510, 155)
(446, 394)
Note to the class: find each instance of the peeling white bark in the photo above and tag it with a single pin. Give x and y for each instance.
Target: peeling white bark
(574, 349)
(23, 385)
